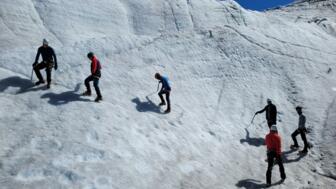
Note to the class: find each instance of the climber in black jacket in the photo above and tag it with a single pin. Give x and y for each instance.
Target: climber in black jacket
(49, 61)
(271, 113)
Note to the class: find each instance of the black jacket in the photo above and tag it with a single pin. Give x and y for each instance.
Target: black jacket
(48, 54)
(271, 112)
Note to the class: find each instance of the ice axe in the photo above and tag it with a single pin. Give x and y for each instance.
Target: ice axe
(251, 121)
(32, 72)
(155, 91)
(253, 118)
(158, 87)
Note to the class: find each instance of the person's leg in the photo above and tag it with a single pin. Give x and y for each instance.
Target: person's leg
(87, 85)
(161, 97)
(294, 134)
(48, 70)
(270, 160)
(37, 69)
(49, 66)
(168, 100)
(96, 86)
(281, 168)
(303, 136)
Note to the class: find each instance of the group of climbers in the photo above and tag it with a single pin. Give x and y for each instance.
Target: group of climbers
(49, 61)
(273, 139)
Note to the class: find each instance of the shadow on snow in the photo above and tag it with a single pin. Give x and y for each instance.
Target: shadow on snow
(24, 85)
(254, 184)
(252, 141)
(65, 97)
(285, 155)
(146, 106)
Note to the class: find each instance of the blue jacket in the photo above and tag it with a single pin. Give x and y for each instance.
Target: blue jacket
(165, 83)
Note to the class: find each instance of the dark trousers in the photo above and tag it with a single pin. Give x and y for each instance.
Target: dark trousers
(43, 65)
(270, 159)
(270, 123)
(302, 132)
(167, 93)
(95, 84)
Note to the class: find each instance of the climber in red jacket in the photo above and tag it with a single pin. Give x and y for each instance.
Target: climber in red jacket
(273, 144)
(95, 76)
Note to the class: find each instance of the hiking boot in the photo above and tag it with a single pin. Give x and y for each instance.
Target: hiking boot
(87, 93)
(48, 86)
(39, 82)
(294, 147)
(283, 178)
(99, 98)
(303, 151)
(162, 104)
(167, 111)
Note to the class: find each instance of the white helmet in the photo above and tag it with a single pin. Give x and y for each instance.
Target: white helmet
(45, 42)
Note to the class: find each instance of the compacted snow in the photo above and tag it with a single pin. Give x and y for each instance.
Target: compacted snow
(56, 138)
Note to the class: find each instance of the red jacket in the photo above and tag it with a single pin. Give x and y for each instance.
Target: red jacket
(273, 142)
(95, 67)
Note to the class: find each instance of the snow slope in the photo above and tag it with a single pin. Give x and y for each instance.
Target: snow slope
(57, 139)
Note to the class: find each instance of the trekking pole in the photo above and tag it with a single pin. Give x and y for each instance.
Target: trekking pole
(31, 75)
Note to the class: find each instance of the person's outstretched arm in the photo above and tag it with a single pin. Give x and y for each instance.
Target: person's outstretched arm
(261, 111)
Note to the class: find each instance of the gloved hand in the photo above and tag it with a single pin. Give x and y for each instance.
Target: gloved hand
(34, 64)
(55, 67)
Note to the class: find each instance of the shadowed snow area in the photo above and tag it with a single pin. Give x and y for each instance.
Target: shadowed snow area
(55, 138)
